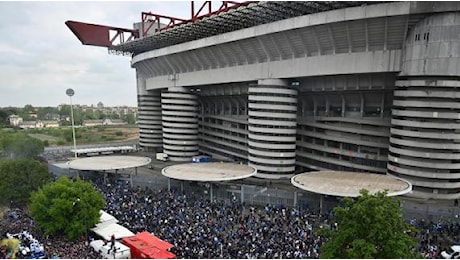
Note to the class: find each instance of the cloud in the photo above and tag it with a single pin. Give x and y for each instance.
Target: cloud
(41, 57)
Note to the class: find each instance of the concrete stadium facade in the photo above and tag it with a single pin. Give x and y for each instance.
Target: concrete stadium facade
(371, 88)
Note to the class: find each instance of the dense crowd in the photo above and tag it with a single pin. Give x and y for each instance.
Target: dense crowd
(18, 221)
(436, 237)
(200, 228)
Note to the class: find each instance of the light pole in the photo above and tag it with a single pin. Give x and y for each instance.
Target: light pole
(70, 93)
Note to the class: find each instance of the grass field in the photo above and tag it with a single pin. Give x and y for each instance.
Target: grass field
(84, 135)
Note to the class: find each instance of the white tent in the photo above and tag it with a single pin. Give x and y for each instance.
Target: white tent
(107, 230)
(106, 218)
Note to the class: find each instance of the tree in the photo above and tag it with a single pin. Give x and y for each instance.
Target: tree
(66, 207)
(4, 116)
(370, 226)
(20, 145)
(130, 119)
(19, 178)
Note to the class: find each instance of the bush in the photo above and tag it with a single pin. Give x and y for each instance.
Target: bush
(66, 207)
(118, 133)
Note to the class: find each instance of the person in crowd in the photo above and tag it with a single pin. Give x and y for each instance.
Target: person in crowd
(200, 228)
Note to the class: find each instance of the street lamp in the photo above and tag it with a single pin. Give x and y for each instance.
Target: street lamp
(70, 93)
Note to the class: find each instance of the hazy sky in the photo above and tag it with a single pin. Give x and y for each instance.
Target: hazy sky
(40, 57)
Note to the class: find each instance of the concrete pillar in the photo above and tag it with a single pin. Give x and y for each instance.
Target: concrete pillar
(180, 124)
(295, 199)
(425, 133)
(149, 117)
(272, 127)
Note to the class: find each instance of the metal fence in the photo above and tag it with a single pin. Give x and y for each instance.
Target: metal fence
(257, 195)
(248, 194)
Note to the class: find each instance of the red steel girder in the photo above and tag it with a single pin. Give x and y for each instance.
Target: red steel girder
(155, 19)
(224, 7)
(99, 35)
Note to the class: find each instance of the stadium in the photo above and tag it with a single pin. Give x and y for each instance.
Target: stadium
(290, 87)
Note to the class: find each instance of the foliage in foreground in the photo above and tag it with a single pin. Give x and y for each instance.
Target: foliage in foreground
(16, 145)
(66, 207)
(370, 226)
(18, 178)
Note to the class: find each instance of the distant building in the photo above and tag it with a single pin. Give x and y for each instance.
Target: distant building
(100, 105)
(93, 122)
(31, 124)
(38, 124)
(15, 120)
(107, 121)
(52, 116)
(114, 122)
(64, 118)
(50, 123)
(33, 115)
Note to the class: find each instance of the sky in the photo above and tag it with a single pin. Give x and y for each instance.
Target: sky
(40, 57)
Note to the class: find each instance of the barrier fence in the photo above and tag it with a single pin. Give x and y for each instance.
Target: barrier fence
(257, 195)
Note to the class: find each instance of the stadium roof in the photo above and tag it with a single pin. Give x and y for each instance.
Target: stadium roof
(105, 163)
(235, 19)
(349, 184)
(210, 171)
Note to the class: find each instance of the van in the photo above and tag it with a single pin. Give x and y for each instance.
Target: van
(453, 252)
(105, 250)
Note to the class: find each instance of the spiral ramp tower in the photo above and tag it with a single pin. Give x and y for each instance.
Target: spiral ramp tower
(180, 124)
(425, 131)
(149, 117)
(272, 123)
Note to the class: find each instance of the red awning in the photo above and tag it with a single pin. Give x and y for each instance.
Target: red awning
(146, 245)
(157, 242)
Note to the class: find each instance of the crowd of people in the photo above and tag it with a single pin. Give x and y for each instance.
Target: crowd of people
(436, 237)
(201, 228)
(18, 221)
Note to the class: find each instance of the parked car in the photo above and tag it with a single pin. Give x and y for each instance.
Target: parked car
(453, 252)
(201, 159)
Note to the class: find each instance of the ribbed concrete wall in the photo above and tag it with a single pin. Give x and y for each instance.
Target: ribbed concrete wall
(180, 124)
(343, 122)
(272, 122)
(425, 132)
(149, 117)
(223, 122)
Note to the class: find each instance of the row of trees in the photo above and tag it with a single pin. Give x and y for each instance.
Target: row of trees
(58, 207)
(61, 207)
(80, 115)
(20, 170)
(18, 145)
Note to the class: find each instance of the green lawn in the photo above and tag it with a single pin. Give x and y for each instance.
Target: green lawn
(84, 135)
